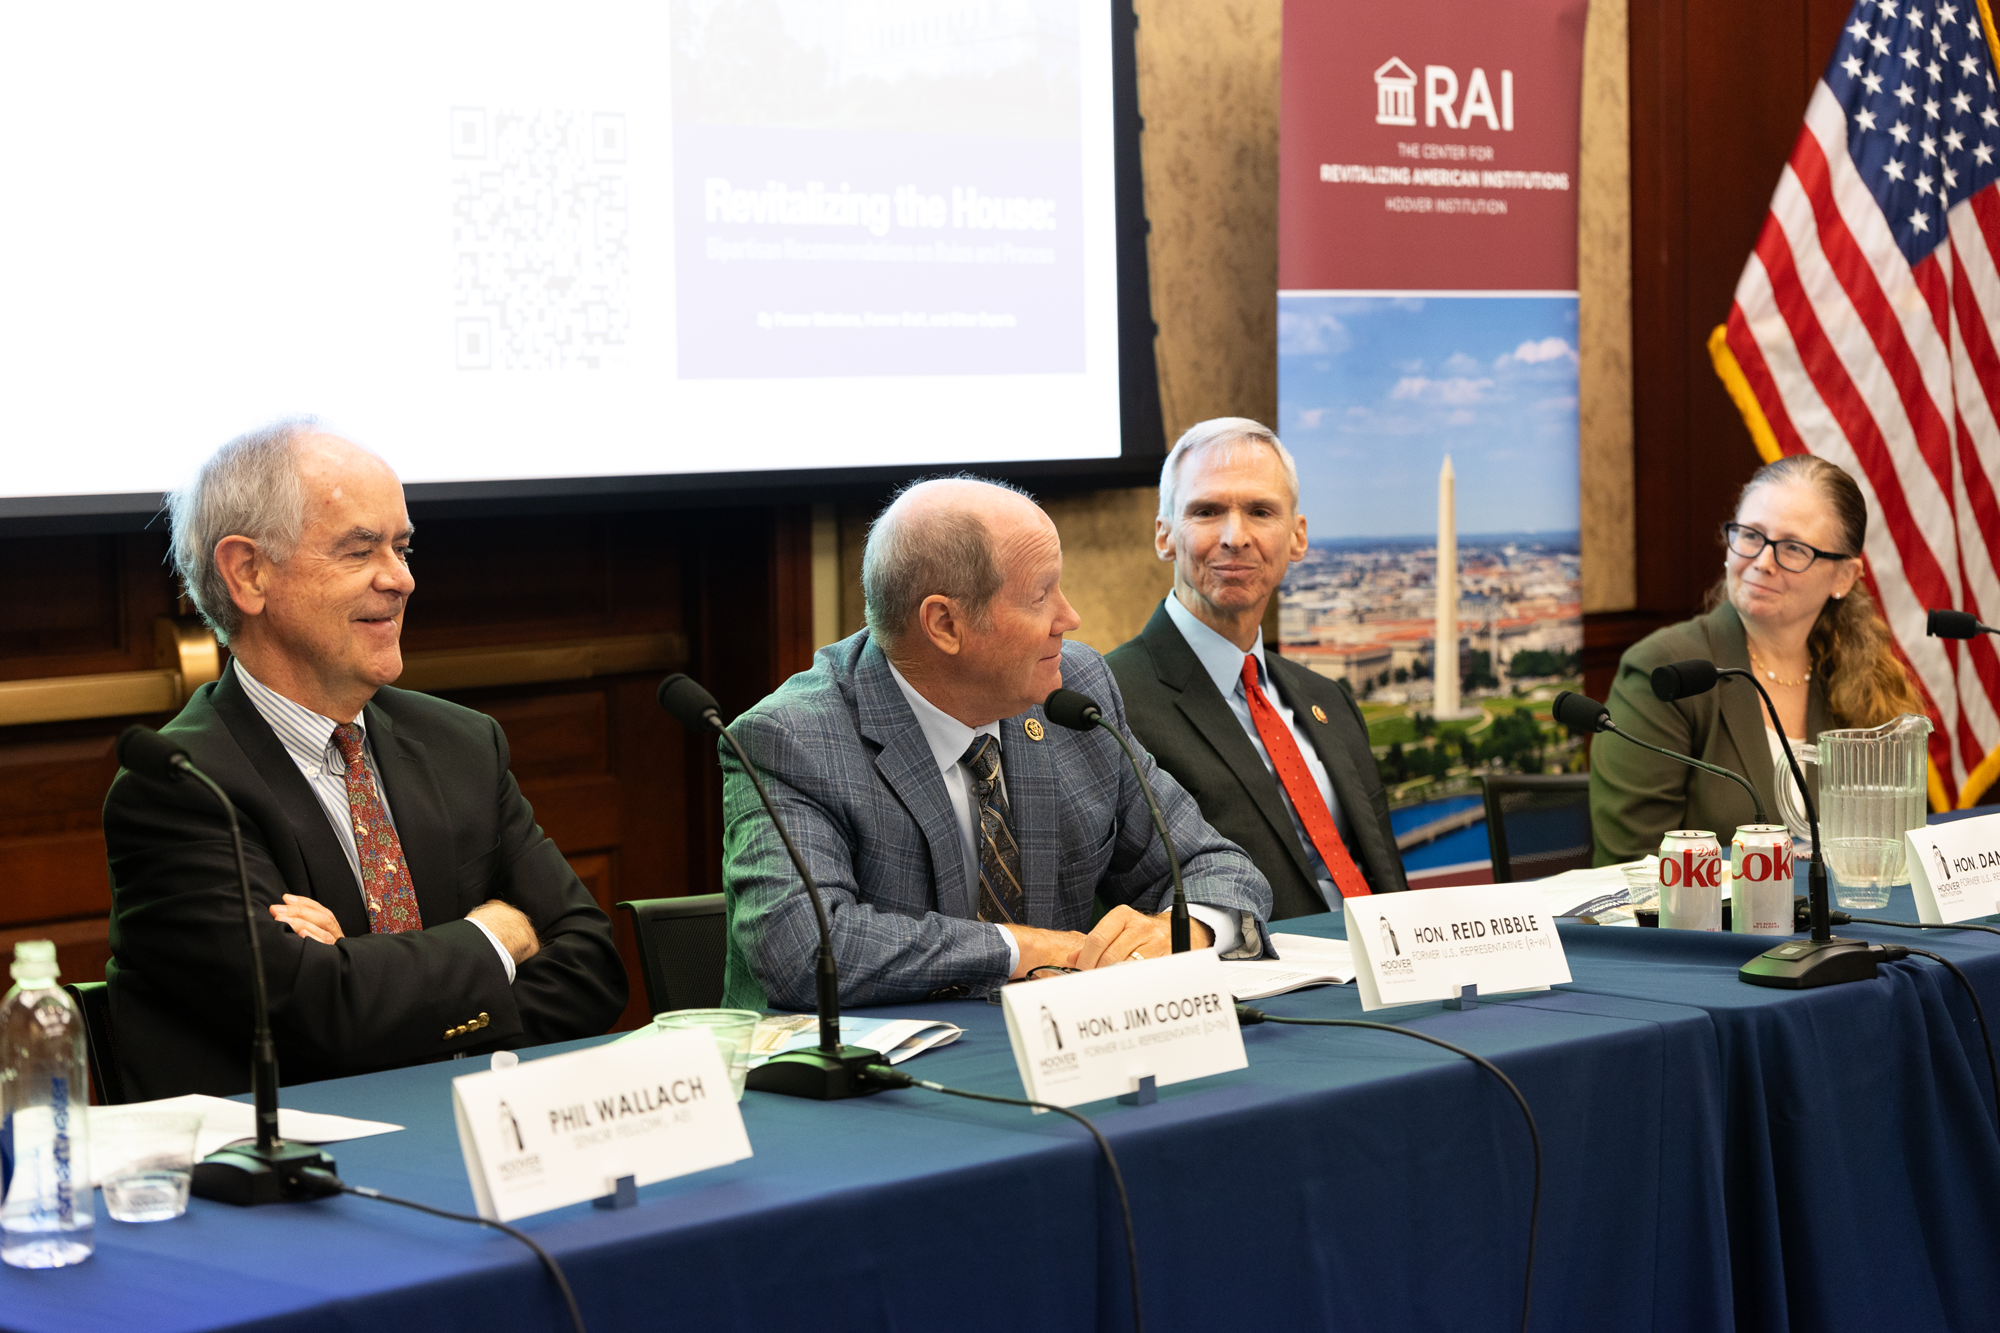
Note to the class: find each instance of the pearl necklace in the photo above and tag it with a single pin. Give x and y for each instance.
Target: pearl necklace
(1773, 676)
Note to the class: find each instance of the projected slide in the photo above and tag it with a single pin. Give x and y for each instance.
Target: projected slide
(863, 217)
(510, 242)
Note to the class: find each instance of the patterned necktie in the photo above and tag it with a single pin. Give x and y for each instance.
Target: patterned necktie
(1299, 785)
(385, 879)
(1000, 896)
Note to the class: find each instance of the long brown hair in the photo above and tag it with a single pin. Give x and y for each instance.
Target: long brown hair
(1852, 653)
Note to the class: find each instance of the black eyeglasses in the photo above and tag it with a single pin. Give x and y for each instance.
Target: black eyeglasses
(1797, 557)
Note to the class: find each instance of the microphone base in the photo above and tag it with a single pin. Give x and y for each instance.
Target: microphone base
(1802, 964)
(239, 1174)
(817, 1074)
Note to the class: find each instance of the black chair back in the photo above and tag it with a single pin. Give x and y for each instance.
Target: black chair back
(682, 947)
(1537, 824)
(93, 999)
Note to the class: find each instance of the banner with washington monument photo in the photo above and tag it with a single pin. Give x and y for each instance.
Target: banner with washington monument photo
(1427, 384)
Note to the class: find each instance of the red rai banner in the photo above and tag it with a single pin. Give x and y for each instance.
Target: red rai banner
(1429, 145)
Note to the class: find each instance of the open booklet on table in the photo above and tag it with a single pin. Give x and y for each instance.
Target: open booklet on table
(1303, 960)
(896, 1038)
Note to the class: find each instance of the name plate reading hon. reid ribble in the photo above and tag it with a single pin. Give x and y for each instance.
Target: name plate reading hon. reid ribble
(1095, 1034)
(1426, 945)
(564, 1129)
(1955, 869)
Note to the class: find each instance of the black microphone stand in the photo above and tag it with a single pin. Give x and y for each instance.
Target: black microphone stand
(833, 1071)
(269, 1170)
(1821, 959)
(1072, 708)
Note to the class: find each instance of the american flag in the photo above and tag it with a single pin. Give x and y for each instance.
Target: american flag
(1864, 331)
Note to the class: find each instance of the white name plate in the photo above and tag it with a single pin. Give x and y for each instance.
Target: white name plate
(1426, 945)
(561, 1130)
(1955, 869)
(1095, 1034)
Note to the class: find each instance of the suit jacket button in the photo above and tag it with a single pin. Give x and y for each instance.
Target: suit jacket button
(484, 1020)
(449, 1033)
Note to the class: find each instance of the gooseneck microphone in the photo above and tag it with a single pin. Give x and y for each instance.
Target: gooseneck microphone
(1949, 624)
(833, 1071)
(1079, 712)
(1585, 716)
(271, 1170)
(1821, 959)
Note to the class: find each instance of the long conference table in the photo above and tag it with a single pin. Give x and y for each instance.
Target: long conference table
(1716, 1156)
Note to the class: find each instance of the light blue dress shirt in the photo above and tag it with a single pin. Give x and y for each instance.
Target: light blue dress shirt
(1223, 661)
(949, 739)
(308, 739)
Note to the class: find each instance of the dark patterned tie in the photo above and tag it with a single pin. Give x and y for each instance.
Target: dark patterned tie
(1000, 896)
(385, 879)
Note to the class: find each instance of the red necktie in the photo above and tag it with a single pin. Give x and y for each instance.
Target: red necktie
(385, 879)
(1298, 784)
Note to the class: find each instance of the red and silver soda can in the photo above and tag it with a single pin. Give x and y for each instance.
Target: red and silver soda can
(1690, 880)
(1760, 896)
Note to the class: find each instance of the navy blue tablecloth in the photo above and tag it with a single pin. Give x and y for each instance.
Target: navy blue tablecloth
(1345, 1179)
(1861, 1159)
(1719, 1155)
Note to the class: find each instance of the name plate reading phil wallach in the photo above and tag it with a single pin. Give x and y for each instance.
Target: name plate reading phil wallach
(1955, 869)
(1427, 945)
(1095, 1034)
(564, 1129)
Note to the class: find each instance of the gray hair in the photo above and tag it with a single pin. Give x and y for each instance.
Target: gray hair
(1220, 432)
(949, 553)
(249, 487)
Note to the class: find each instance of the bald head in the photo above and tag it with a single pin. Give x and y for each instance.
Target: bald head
(944, 538)
(964, 585)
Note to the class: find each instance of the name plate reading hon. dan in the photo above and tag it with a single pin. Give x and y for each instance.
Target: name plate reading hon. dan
(1095, 1034)
(1427, 945)
(1955, 869)
(564, 1129)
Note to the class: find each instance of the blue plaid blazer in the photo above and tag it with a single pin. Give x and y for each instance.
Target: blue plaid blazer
(855, 782)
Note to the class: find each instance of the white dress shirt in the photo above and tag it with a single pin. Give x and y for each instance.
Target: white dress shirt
(1223, 661)
(949, 740)
(308, 739)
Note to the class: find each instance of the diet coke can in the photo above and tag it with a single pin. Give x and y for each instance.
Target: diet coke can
(1760, 897)
(1690, 880)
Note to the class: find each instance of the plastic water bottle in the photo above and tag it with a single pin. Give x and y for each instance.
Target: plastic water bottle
(44, 1099)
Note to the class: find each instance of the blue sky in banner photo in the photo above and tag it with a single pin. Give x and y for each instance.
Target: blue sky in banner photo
(1374, 391)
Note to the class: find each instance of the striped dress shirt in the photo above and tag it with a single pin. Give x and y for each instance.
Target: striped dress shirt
(308, 739)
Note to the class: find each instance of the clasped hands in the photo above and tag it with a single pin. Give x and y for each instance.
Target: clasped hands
(310, 918)
(1123, 936)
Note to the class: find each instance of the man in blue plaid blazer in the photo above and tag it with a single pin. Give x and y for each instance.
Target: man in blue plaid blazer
(943, 875)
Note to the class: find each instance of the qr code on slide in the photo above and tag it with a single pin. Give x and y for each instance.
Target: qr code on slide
(539, 237)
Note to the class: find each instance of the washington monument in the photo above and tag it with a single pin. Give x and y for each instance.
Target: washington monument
(1444, 659)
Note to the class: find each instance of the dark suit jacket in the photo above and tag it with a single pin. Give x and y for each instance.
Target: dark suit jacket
(1636, 796)
(1183, 719)
(180, 974)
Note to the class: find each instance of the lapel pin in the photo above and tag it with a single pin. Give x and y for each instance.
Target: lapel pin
(1319, 714)
(1033, 728)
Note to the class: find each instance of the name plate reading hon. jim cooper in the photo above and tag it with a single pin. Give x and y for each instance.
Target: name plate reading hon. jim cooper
(1427, 945)
(564, 1129)
(1955, 869)
(1095, 1034)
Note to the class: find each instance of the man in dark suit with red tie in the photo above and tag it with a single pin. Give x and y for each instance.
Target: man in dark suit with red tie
(1276, 755)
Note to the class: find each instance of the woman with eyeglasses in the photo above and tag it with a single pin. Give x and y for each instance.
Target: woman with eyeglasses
(1791, 607)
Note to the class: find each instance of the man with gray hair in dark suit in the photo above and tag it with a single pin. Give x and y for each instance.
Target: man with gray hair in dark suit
(958, 837)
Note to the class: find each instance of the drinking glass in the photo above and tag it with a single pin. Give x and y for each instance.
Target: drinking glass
(145, 1158)
(729, 1028)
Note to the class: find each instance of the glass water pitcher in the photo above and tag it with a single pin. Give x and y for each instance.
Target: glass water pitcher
(1873, 785)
